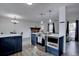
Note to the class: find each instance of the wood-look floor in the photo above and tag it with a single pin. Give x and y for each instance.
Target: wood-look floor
(30, 50)
(72, 49)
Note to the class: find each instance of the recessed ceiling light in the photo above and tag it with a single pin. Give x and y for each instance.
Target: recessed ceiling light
(29, 3)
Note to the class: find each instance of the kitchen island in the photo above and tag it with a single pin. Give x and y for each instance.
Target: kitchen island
(54, 44)
(10, 44)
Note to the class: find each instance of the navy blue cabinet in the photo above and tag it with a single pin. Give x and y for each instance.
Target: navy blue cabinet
(55, 50)
(61, 41)
(10, 45)
(52, 50)
(33, 39)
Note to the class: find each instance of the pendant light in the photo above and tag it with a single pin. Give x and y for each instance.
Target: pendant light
(50, 25)
(41, 17)
(42, 23)
(49, 16)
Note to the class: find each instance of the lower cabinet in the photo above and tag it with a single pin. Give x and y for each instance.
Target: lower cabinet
(10, 45)
(33, 39)
(58, 51)
(53, 51)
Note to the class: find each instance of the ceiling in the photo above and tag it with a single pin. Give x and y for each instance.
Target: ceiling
(32, 13)
(72, 12)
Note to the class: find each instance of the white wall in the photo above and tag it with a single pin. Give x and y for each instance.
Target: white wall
(56, 26)
(6, 27)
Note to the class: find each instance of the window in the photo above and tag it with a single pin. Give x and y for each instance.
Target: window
(72, 27)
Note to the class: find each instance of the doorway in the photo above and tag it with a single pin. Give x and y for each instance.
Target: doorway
(72, 48)
(72, 27)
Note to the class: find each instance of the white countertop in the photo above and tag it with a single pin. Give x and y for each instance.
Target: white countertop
(8, 35)
(54, 35)
(34, 33)
(51, 35)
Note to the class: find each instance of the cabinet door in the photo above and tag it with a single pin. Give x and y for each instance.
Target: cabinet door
(18, 43)
(10, 45)
(6, 45)
(33, 39)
